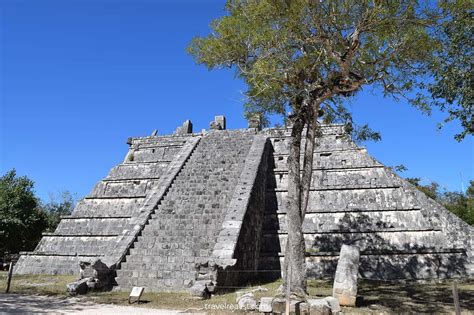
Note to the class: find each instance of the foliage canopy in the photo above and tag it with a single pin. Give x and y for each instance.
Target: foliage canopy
(21, 218)
(298, 56)
(459, 203)
(288, 51)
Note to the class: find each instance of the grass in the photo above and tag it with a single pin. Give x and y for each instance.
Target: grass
(36, 284)
(375, 297)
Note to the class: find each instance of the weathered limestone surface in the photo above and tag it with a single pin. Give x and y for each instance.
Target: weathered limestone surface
(219, 123)
(186, 128)
(185, 227)
(345, 281)
(355, 200)
(182, 203)
(105, 223)
(237, 250)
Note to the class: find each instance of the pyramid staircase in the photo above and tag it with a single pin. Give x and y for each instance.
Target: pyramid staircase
(184, 228)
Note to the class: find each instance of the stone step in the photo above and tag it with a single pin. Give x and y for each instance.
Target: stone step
(152, 285)
(196, 180)
(149, 274)
(184, 227)
(151, 260)
(170, 203)
(145, 267)
(199, 220)
(195, 206)
(198, 191)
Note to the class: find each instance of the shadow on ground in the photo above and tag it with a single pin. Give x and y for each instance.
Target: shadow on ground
(21, 304)
(415, 297)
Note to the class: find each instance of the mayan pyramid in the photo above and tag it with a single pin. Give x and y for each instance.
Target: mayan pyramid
(181, 203)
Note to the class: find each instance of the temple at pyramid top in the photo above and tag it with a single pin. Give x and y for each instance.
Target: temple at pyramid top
(187, 206)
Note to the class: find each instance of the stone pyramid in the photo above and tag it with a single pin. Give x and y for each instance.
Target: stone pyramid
(211, 206)
(356, 200)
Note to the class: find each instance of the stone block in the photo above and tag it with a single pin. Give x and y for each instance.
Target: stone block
(265, 305)
(319, 307)
(186, 128)
(278, 305)
(220, 120)
(255, 121)
(78, 287)
(334, 304)
(345, 281)
(218, 123)
(296, 306)
(199, 290)
(247, 302)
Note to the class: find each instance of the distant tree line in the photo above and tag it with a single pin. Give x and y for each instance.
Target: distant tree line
(23, 217)
(459, 203)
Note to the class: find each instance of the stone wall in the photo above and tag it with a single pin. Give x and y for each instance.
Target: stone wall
(248, 210)
(105, 223)
(355, 200)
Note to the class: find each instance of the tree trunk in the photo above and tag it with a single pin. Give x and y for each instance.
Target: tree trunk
(308, 157)
(295, 249)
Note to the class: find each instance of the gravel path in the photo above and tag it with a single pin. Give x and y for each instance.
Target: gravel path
(32, 304)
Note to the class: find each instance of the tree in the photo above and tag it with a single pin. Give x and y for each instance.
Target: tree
(431, 189)
(298, 56)
(59, 206)
(453, 69)
(21, 218)
(459, 203)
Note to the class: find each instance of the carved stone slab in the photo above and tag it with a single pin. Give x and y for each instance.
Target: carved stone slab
(345, 282)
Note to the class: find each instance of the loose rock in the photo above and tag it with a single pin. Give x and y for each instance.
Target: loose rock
(199, 290)
(319, 307)
(334, 304)
(247, 302)
(265, 305)
(278, 305)
(78, 287)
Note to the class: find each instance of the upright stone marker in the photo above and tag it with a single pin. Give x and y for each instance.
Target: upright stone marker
(220, 120)
(345, 282)
(185, 129)
(218, 123)
(255, 121)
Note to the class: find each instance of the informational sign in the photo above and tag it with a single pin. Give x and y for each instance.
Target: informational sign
(135, 295)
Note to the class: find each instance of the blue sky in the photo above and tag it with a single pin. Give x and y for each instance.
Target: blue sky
(78, 77)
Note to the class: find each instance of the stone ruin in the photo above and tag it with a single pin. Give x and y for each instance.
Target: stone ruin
(208, 210)
(94, 276)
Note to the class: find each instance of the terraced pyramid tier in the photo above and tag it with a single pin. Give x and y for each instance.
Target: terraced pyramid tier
(104, 224)
(182, 203)
(356, 200)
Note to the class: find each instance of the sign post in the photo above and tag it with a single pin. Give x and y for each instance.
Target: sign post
(9, 277)
(135, 294)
